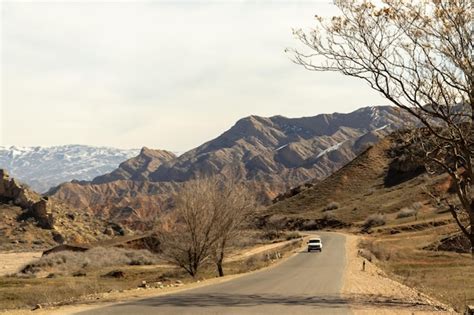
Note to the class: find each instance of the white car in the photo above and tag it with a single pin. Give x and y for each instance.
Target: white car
(315, 243)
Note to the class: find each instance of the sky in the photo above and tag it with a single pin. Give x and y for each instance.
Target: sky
(162, 74)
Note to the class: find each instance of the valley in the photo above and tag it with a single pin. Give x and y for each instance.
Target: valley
(361, 182)
(237, 157)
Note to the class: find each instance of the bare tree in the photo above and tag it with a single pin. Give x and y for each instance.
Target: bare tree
(418, 55)
(208, 214)
(188, 234)
(236, 204)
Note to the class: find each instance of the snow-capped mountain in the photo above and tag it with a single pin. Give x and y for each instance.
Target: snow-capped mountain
(45, 167)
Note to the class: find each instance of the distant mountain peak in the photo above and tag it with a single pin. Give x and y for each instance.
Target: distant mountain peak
(45, 167)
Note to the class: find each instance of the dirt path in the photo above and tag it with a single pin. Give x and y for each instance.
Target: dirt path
(12, 262)
(371, 291)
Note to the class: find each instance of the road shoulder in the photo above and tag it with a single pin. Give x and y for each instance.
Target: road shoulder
(372, 291)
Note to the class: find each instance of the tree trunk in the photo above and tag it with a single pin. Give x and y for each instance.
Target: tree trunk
(472, 243)
(471, 221)
(219, 262)
(220, 269)
(220, 256)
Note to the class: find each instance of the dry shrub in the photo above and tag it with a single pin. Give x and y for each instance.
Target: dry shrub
(251, 263)
(329, 216)
(406, 212)
(374, 220)
(247, 240)
(331, 206)
(292, 236)
(417, 205)
(71, 262)
(271, 235)
(172, 274)
(376, 249)
(364, 253)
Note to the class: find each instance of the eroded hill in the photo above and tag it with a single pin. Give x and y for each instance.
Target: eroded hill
(383, 179)
(270, 154)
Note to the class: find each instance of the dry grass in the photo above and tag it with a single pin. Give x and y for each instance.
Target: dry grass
(275, 235)
(18, 292)
(21, 292)
(70, 263)
(331, 206)
(444, 275)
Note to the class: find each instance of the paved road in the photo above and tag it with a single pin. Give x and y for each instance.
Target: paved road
(307, 283)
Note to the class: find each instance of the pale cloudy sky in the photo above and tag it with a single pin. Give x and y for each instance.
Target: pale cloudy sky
(163, 74)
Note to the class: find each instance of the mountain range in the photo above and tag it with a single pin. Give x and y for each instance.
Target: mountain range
(270, 154)
(45, 167)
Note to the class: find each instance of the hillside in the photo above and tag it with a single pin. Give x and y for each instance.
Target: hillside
(28, 221)
(382, 195)
(137, 168)
(271, 154)
(46, 167)
(381, 179)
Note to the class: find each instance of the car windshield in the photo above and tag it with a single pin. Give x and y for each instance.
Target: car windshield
(314, 241)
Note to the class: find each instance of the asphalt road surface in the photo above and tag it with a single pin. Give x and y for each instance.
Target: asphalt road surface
(307, 283)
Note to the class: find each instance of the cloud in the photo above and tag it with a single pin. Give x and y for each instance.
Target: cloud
(162, 74)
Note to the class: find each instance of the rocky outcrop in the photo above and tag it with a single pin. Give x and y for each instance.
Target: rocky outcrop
(408, 161)
(457, 242)
(33, 205)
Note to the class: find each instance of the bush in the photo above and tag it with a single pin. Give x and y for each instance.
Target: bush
(292, 236)
(271, 235)
(374, 220)
(406, 212)
(374, 249)
(331, 206)
(329, 216)
(417, 205)
(73, 262)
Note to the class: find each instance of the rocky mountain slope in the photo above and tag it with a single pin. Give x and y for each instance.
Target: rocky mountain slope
(382, 180)
(45, 167)
(29, 221)
(271, 154)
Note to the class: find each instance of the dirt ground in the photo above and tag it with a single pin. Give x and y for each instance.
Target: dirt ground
(371, 291)
(12, 262)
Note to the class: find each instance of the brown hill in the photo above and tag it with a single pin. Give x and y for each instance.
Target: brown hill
(271, 154)
(383, 179)
(137, 168)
